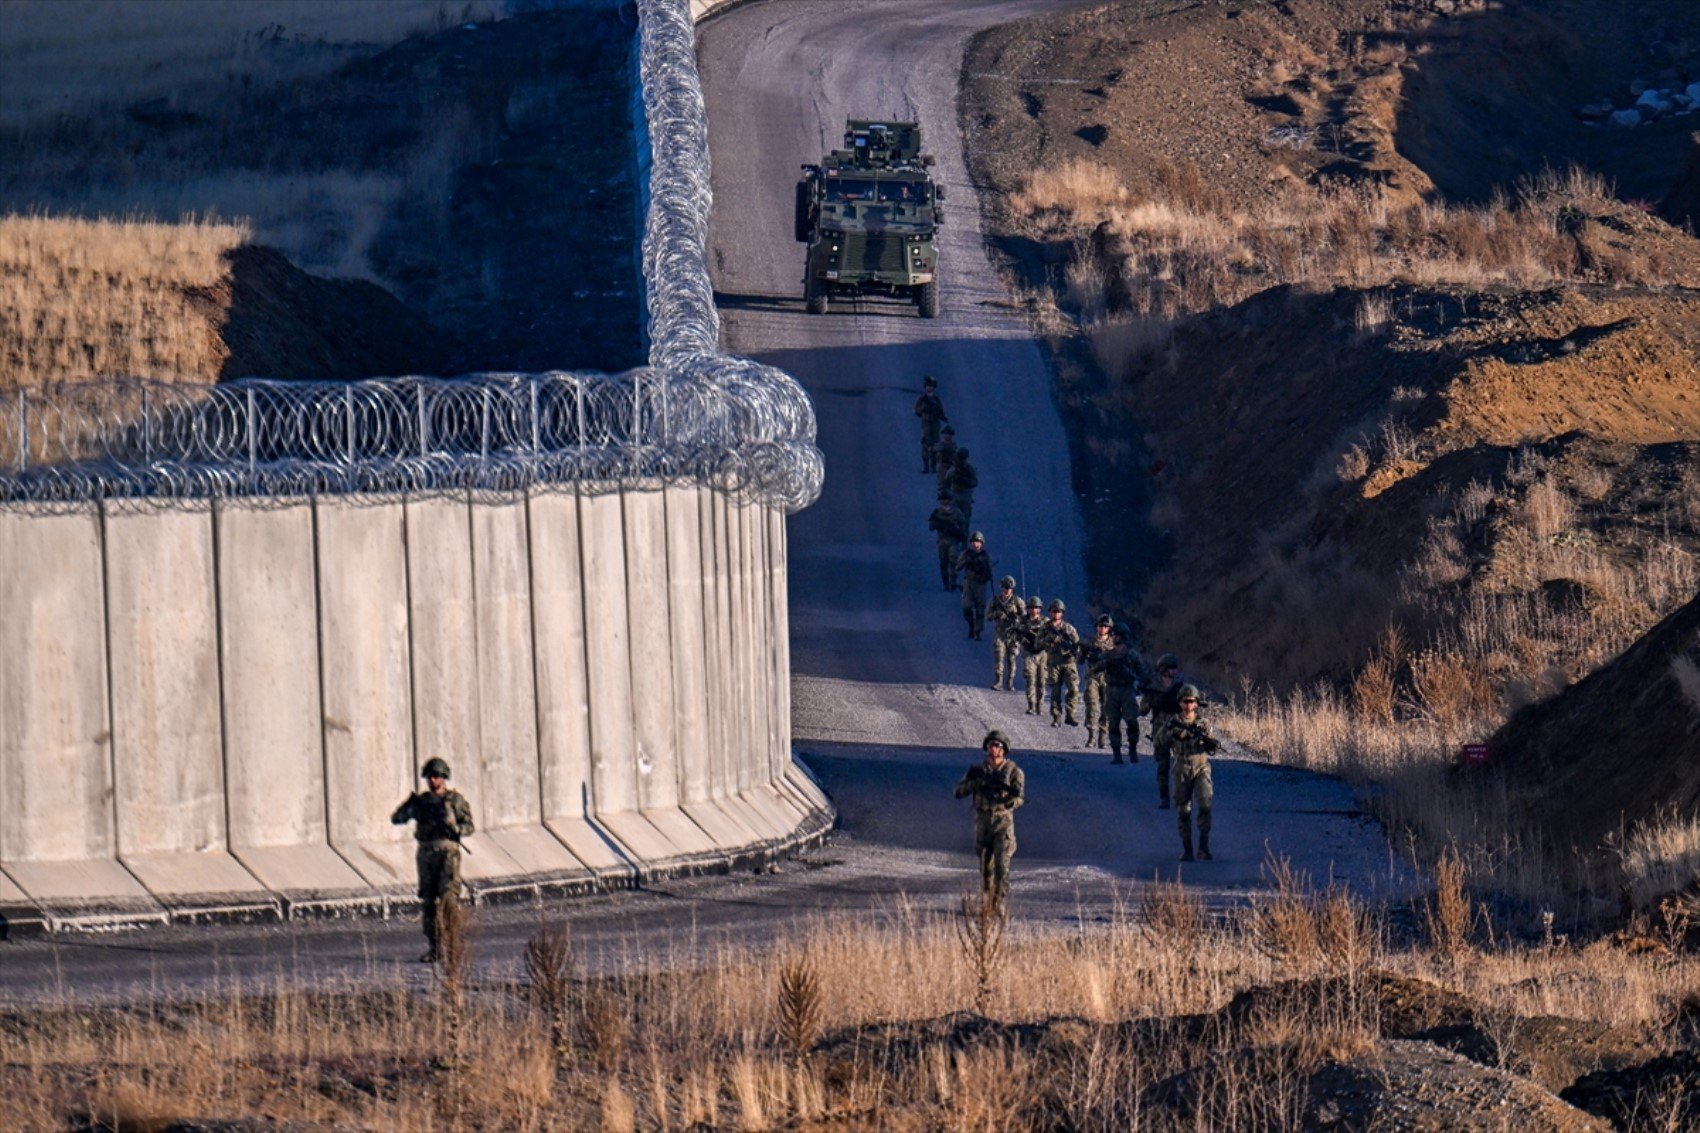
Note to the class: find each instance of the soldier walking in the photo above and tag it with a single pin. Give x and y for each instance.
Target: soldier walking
(962, 481)
(1032, 626)
(1124, 675)
(951, 532)
(1162, 701)
(930, 410)
(944, 455)
(975, 567)
(441, 818)
(1061, 645)
(998, 789)
(1095, 650)
(1188, 737)
(1006, 638)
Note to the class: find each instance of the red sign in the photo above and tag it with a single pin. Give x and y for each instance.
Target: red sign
(1475, 753)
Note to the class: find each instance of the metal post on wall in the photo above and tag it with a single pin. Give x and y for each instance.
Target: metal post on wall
(23, 430)
(424, 421)
(253, 438)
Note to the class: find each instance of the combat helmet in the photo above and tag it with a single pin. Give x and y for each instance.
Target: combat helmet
(977, 537)
(929, 382)
(1007, 582)
(1186, 691)
(1034, 603)
(1105, 621)
(1168, 661)
(434, 766)
(943, 495)
(996, 737)
(1057, 606)
(1120, 630)
(961, 455)
(947, 427)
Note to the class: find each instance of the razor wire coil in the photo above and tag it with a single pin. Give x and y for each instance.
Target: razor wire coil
(693, 416)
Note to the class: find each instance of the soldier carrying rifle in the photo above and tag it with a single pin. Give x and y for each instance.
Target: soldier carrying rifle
(441, 818)
(998, 789)
(1060, 643)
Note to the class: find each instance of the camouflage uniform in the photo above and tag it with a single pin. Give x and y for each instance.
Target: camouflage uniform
(1124, 673)
(930, 410)
(1191, 745)
(944, 457)
(1060, 644)
(1006, 612)
(1095, 651)
(1161, 701)
(1035, 668)
(440, 822)
(962, 481)
(997, 794)
(952, 533)
(975, 567)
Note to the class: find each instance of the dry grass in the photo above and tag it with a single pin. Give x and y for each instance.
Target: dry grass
(127, 298)
(708, 1041)
(1181, 246)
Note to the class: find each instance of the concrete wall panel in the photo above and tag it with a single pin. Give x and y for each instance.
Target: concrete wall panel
(366, 686)
(510, 803)
(686, 570)
(613, 762)
(717, 642)
(563, 697)
(273, 719)
(168, 748)
(648, 609)
(443, 632)
(58, 832)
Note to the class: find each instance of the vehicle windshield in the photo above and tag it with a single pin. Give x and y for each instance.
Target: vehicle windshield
(886, 192)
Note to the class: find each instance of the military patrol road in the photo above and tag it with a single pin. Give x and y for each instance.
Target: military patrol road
(890, 699)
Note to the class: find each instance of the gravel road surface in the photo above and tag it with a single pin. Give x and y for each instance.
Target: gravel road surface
(890, 699)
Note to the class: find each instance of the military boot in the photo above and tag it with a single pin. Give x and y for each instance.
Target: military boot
(1204, 846)
(1186, 845)
(1116, 748)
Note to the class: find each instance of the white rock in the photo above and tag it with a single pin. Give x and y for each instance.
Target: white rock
(1693, 92)
(1626, 118)
(1651, 98)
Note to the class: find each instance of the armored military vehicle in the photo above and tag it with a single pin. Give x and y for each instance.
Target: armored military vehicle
(869, 214)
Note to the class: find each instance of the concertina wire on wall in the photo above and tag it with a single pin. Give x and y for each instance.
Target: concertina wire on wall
(693, 415)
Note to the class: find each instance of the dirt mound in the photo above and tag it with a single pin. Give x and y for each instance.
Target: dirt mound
(1644, 710)
(1550, 1050)
(1663, 1093)
(1394, 1084)
(277, 321)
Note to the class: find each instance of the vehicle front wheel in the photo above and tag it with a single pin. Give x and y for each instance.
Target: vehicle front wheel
(814, 296)
(927, 298)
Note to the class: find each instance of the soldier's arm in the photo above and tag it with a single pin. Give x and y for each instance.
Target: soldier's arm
(462, 811)
(404, 813)
(1018, 788)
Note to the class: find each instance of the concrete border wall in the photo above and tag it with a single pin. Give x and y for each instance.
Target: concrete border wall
(210, 708)
(603, 668)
